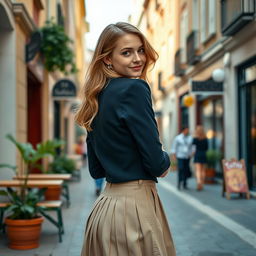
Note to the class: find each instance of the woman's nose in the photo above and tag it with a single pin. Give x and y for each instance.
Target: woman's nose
(136, 57)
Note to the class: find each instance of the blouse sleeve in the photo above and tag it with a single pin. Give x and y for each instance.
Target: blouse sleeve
(95, 168)
(139, 117)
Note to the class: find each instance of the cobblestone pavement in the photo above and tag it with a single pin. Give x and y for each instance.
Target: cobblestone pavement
(194, 230)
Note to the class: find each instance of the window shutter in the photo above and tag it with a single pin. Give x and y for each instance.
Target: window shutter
(212, 17)
(203, 20)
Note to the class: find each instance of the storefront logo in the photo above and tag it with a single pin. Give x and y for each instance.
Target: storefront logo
(207, 86)
(64, 89)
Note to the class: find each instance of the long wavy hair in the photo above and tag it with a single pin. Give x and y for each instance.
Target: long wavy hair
(200, 133)
(98, 73)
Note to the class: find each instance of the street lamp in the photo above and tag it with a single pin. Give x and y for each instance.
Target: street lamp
(218, 75)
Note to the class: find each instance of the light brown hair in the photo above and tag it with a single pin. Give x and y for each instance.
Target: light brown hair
(200, 133)
(98, 72)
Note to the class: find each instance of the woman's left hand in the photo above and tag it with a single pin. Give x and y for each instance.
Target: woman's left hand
(164, 174)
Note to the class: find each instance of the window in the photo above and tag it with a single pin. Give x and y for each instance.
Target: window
(207, 19)
(183, 35)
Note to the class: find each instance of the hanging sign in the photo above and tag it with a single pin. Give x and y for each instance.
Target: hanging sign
(64, 88)
(206, 87)
(235, 178)
(33, 47)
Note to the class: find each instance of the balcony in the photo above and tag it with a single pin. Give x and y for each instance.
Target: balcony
(179, 71)
(235, 14)
(192, 46)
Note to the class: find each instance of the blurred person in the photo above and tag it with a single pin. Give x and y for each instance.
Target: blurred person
(123, 146)
(98, 185)
(84, 152)
(182, 151)
(201, 146)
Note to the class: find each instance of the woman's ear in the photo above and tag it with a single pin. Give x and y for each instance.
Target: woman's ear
(107, 60)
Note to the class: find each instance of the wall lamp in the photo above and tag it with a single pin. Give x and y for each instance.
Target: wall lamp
(218, 75)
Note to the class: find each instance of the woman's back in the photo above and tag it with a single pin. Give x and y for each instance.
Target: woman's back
(201, 144)
(124, 139)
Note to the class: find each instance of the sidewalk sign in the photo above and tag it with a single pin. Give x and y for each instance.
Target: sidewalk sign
(235, 178)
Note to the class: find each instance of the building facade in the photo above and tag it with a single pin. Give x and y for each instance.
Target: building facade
(209, 53)
(27, 107)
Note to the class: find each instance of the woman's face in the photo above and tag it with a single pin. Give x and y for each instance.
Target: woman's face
(128, 58)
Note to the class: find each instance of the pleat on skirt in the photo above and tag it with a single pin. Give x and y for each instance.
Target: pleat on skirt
(128, 219)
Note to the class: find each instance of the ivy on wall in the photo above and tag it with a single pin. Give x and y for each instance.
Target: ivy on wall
(56, 50)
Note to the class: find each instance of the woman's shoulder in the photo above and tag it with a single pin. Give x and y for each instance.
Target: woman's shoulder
(129, 82)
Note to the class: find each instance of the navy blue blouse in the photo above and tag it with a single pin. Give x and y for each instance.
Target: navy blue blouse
(124, 144)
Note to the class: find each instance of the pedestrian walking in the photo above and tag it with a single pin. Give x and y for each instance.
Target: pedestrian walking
(84, 152)
(182, 151)
(201, 146)
(123, 146)
(98, 185)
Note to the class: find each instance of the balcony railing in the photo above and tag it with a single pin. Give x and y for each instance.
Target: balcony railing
(192, 46)
(235, 14)
(179, 71)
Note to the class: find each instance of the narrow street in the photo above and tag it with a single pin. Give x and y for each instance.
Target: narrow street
(196, 232)
(191, 215)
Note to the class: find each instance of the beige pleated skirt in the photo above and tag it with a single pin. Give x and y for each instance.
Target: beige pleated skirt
(128, 220)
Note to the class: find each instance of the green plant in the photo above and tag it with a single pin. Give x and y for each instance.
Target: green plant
(55, 48)
(62, 164)
(213, 156)
(23, 203)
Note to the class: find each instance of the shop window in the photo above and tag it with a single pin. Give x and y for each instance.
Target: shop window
(211, 117)
(247, 118)
(184, 113)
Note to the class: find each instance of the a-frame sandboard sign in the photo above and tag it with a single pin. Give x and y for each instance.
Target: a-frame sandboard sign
(235, 178)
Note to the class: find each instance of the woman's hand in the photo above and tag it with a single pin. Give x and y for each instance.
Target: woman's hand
(164, 174)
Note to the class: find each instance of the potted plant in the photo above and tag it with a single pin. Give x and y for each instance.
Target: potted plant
(23, 221)
(62, 164)
(212, 157)
(55, 48)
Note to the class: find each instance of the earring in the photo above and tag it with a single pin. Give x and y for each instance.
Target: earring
(109, 66)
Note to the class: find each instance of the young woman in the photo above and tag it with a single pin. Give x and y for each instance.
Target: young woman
(123, 146)
(201, 143)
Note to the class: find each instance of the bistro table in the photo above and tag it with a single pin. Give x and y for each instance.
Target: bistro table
(49, 205)
(44, 177)
(32, 183)
(40, 176)
(52, 186)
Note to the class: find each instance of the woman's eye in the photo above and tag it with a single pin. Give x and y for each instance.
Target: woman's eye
(126, 53)
(141, 50)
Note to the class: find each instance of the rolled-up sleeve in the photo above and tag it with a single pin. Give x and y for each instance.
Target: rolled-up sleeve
(139, 117)
(95, 168)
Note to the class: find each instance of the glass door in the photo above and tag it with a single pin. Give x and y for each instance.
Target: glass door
(252, 134)
(247, 118)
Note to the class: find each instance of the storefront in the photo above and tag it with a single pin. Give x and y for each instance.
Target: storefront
(210, 116)
(64, 94)
(247, 117)
(184, 112)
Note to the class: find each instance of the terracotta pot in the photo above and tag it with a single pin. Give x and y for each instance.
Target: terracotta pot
(23, 234)
(52, 194)
(209, 176)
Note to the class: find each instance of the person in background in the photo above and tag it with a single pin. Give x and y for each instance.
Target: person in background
(201, 146)
(84, 152)
(123, 146)
(98, 184)
(181, 152)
